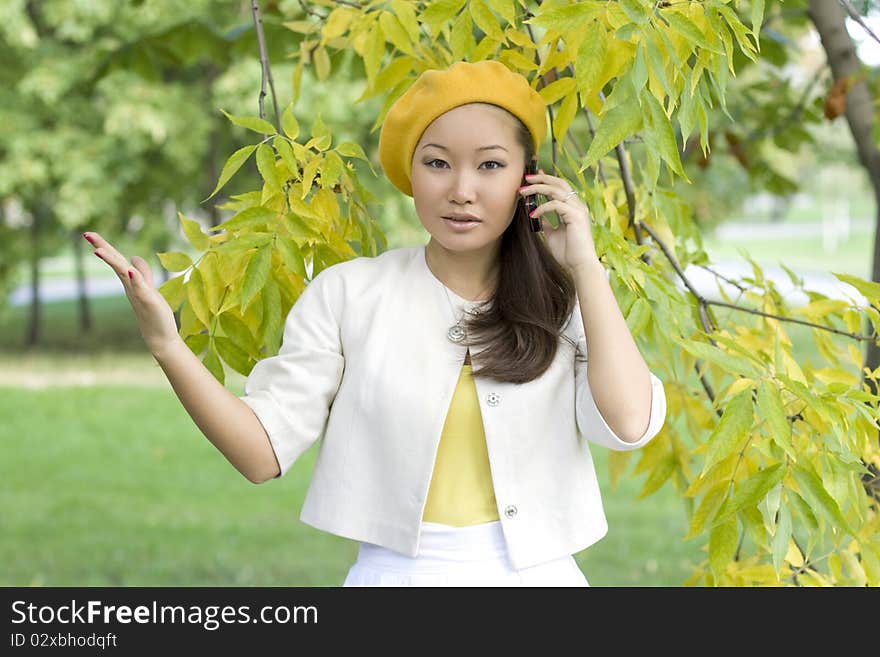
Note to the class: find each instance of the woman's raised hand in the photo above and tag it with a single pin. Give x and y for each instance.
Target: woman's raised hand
(154, 316)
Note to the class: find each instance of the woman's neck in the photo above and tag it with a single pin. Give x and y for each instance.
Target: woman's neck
(472, 276)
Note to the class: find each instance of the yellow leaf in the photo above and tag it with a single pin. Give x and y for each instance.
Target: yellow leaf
(794, 556)
(557, 89)
(792, 369)
(564, 116)
(396, 33)
(738, 386)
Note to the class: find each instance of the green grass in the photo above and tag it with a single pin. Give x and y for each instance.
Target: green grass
(851, 256)
(115, 486)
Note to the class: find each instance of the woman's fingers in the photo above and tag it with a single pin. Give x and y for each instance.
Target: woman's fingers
(142, 267)
(105, 251)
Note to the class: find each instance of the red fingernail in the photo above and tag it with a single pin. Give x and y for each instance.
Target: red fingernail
(86, 235)
(99, 255)
(130, 274)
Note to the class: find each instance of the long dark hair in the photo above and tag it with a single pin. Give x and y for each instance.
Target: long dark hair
(520, 326)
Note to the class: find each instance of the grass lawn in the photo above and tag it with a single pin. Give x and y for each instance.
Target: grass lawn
(115, 486)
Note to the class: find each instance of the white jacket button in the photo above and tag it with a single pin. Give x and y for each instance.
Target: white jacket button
(510, 510)
(493, 399)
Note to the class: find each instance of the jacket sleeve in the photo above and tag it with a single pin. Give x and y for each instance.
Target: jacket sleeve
(291, 393)
(590, 423)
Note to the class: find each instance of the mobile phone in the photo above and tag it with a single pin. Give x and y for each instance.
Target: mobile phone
(531, 201)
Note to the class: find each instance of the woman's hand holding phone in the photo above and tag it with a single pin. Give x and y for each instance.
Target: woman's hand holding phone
(571, 243)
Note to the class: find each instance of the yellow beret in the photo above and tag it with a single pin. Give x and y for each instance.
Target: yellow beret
(437, 91)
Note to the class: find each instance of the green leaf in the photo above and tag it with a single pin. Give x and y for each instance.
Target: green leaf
(288, 157)
(818, 498)
(233, 355)
(175, 261)
(731, 429)
(197, 342)
(320, 134)
(659, 136)
(614, 126)
(779, 544)
(557, 89)
(870, 289)
(441, 11)
(638, 316)
(266, 167)
(771, 410)
(243, 242)
(657, 56)
(232, 165)
(213, 364)
(289, 123)
(709, 505)
(193, 231)
(174, 292)
(249, 218)
(590, 58)
(742, 34)
(350, 149)
(290, 255)
(255, 275)
(722, 547)
(639, 75)
(462, 40)
(485, 20)
(636, 11)
(750, 492)
(273, 323)
(658, 475)
(195, 293)
(332, 170)
(395, 33)
(235, 329)
(505, 8)
(757, 19)
(688, 29)
(803, 509)
(727, 362)
(407, 17)
(254, 123)
(567, 17)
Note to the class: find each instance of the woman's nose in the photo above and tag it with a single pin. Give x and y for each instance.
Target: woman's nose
(464, 188)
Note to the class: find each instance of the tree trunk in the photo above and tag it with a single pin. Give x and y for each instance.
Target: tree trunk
(32, 338)
(214, 149)
(830, 21)
(85, 315)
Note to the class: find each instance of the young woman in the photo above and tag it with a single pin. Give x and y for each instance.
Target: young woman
(446, 473)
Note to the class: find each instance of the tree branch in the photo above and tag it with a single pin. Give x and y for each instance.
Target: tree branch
(264, 62)
(858, 18)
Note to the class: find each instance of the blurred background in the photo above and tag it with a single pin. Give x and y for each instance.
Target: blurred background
(110, 121)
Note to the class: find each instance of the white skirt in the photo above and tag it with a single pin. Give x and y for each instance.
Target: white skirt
(458, 556)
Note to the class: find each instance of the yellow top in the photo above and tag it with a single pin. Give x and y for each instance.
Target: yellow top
(461, 491)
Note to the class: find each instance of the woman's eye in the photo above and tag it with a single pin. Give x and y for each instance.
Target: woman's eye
(430, 163)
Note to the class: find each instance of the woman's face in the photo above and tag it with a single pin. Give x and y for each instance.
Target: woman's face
(455, 171)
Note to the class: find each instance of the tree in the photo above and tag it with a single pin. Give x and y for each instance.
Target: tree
(108, 118)
(767, 454)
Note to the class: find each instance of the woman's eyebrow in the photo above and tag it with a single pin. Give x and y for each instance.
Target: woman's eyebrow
(481, 148)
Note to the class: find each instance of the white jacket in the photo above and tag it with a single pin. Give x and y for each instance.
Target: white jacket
(366, 364)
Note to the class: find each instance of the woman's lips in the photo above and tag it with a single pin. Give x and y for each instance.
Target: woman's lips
(460, 226)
